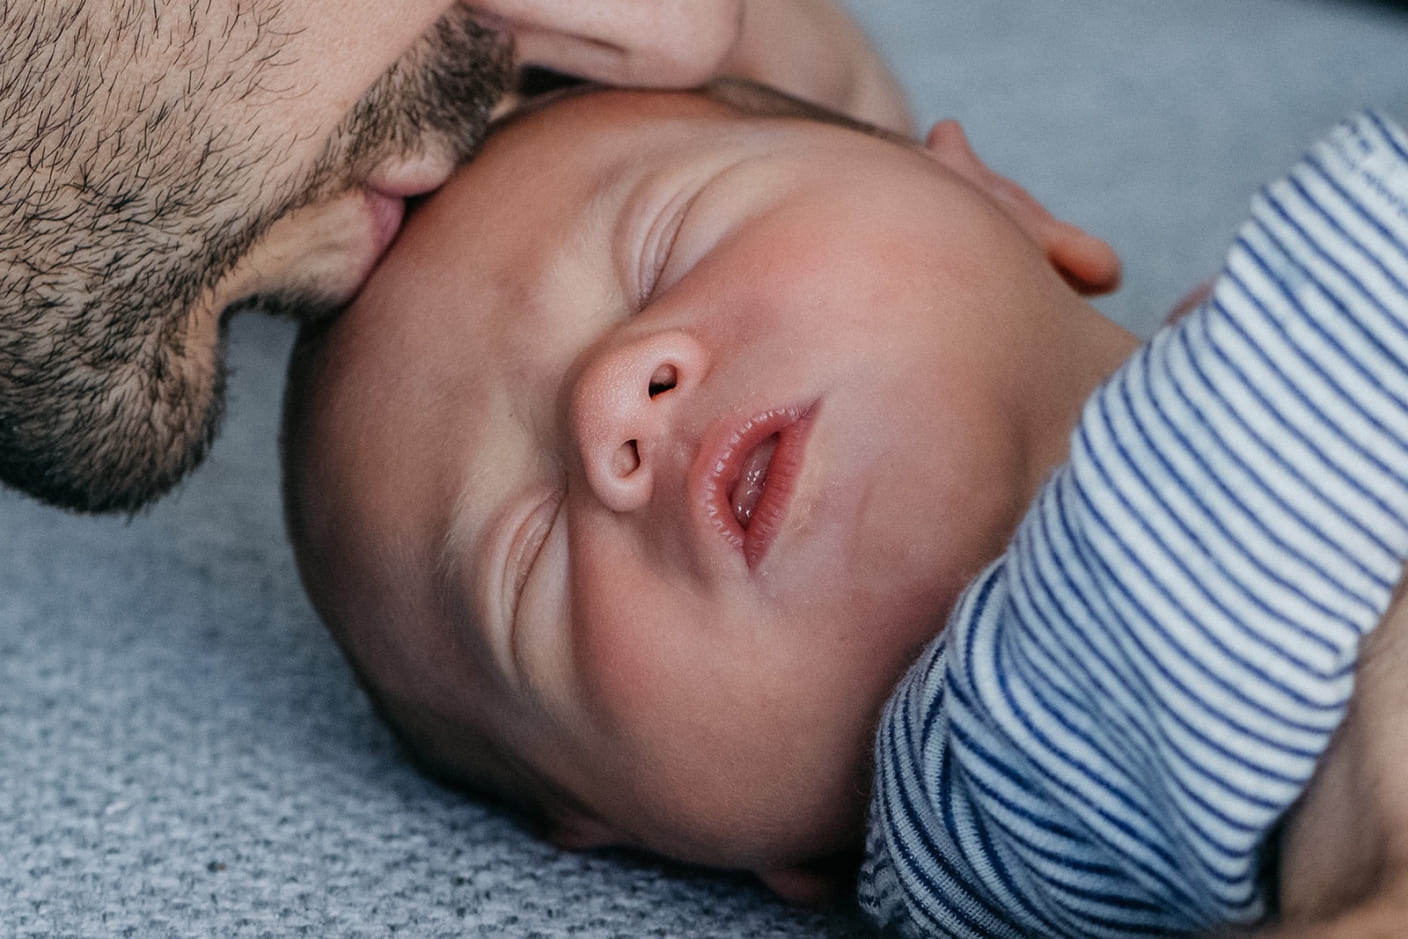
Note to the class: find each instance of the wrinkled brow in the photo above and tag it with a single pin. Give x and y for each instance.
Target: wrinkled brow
(447, 574)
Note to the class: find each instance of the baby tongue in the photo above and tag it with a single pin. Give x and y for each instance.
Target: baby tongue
(752, 481)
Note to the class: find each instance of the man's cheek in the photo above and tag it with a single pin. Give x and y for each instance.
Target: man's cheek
(626, 42)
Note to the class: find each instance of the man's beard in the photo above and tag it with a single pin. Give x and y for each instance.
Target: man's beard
(107, 396)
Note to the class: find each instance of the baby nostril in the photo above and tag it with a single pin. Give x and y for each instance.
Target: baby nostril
(662, 380)
(626, 459)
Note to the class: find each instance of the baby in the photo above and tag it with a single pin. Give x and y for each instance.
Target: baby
(632, 501)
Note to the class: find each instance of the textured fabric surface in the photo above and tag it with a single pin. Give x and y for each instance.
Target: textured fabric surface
(1126, 702)
(185, 754)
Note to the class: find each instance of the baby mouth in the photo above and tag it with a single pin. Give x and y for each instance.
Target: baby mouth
(745, 476)
(748, 491)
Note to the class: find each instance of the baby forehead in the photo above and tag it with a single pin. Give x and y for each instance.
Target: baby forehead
(725, 98)
(357, 448)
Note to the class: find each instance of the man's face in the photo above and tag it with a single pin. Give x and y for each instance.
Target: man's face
(646, 486)
(642, 43)
(166, 162)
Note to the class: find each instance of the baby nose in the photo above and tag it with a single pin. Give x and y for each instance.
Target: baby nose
(624, 413)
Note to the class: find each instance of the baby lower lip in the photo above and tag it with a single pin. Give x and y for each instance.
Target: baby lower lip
(748, 491)
(745, 473)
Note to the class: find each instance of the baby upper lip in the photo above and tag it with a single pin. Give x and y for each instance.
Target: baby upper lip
(727, 451)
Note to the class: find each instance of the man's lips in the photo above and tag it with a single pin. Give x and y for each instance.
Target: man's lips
(387, 190)
(746, 475)
(387, 213)
(406, 177)
(328, 248)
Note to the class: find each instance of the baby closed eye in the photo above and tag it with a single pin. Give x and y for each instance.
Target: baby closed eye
(660, 242)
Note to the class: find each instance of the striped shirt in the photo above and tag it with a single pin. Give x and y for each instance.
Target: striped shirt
(1124, 705)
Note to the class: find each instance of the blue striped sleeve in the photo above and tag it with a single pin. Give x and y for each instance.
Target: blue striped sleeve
(1124, 705)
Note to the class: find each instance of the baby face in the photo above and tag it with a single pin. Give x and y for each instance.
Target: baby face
(658, 447)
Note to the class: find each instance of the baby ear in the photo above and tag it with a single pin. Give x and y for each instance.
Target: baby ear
(581, 833)
(1087, 263)
(813, 881)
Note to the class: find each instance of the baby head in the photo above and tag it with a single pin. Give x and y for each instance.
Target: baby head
(663, 441)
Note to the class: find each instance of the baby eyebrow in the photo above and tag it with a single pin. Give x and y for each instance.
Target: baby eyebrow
(448, 579)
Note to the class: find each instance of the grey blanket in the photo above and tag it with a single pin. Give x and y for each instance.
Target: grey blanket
(184, 752)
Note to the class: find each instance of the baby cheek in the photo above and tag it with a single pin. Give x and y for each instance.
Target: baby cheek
(662, 670)
(630, 652)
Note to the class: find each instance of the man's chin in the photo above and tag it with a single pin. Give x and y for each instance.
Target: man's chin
(114, 448)
(301, 306)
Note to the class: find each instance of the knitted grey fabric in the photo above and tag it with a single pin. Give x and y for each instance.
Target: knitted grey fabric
(185, 753)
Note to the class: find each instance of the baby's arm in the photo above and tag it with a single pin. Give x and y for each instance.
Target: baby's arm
(1126, 705)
